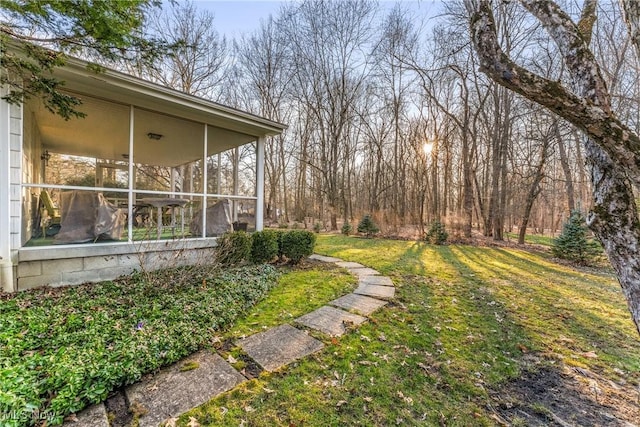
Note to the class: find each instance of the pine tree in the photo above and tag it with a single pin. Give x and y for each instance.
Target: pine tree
(367, 226)
(572, 244)
(437, 234)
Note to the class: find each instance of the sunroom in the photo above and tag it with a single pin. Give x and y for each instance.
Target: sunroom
(149, 178)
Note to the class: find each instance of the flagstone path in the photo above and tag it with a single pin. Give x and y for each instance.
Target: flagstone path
(204, 375)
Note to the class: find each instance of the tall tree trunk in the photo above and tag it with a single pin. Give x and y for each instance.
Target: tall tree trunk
(564, 162)
(533, 192)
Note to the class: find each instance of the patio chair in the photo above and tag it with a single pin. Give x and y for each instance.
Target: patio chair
(50, 226)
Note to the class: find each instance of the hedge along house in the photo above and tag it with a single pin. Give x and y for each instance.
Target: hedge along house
(147, 179)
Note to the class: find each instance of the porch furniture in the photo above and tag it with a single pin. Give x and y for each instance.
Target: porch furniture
(172, 203)
(53, 222)
(218, 220)
(87, 217)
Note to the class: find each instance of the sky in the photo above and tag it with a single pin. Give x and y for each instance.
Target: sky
(234, 18)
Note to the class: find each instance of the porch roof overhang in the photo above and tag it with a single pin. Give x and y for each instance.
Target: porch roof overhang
(179, 117)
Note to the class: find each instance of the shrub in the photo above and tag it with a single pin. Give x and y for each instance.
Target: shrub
(264, 246)
(233, 248)
(572, 244)
(297, 244)
(317, 227)
(436, 235)
(367, 226)
(346, 228)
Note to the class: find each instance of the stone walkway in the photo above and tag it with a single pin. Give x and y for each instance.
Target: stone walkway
(204, 375)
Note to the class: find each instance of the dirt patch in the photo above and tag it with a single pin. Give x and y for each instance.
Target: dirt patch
(117, 407)
(567, 396)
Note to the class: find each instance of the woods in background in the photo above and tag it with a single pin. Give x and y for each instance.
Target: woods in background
(389, 115)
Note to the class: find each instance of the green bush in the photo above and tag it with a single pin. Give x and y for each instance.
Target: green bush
(436, 235)
(264, 246)
(367, 226)
(297, 244)
(572, 244)
(233, 248)
(346, 228)
(317, 227)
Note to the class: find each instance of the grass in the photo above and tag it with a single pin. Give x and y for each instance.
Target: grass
(535, 239)
(466, 321)
(298, 292)
(62, 349)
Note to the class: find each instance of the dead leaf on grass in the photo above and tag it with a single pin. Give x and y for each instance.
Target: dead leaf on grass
(589, 355)
(231, 360)
(193, 422)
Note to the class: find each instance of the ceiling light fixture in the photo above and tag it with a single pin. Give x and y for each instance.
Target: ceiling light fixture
(154, 136)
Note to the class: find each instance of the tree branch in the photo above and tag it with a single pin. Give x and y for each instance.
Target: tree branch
(591, 114)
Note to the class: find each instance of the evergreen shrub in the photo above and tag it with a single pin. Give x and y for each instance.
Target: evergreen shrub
(234, 248)
(572, 244)
(264, 246)
(297, 244)
(367, 226)
(437, 235)
(346, 228)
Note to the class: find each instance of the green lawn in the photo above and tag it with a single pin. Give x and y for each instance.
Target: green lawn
(536, 239)
(466, 322)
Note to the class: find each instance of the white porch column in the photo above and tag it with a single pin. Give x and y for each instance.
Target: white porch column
(6, 262)
(260, 184)
(132, 177)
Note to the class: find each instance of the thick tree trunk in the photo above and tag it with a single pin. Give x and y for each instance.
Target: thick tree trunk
(614, 220)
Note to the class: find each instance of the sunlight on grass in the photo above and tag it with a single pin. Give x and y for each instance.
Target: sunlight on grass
(466, 320)
(298, 292)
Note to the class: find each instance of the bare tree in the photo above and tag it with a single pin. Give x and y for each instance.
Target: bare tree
(197, 65)
(328, 41)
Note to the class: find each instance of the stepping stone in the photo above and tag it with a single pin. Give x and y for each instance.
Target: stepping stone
(349, 264)
(171, 392)
(360, 303)
(279, 346)
(330, 321)
(324, 258)
(363, 271)
(93, 416)
(375, 280)
(384, 292)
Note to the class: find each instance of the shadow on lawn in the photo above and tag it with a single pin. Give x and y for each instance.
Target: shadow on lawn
(530, 300)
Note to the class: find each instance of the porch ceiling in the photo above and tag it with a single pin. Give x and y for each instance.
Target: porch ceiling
(179, 117)
(104, 134)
